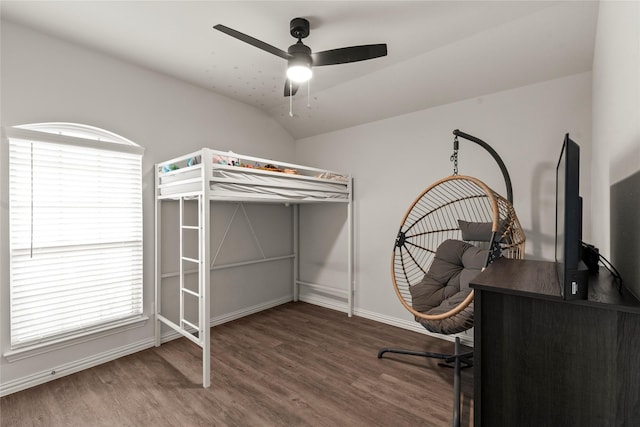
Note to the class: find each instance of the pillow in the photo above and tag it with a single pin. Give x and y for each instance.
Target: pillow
(479, 231)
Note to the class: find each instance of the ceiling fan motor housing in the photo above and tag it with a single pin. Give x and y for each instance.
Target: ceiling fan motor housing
(301, 54)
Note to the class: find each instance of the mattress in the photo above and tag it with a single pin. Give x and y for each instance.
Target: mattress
(273, 183)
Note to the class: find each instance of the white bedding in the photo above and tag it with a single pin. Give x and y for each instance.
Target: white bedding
(242, 183)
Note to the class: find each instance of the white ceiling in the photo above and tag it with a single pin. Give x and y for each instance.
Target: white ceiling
(439, 51)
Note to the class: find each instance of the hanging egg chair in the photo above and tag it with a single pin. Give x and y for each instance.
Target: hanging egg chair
(454, 229)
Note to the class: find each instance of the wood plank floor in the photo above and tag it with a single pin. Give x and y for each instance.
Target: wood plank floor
(293, 365)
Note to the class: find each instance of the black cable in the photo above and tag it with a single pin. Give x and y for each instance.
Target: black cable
(606, 264)
(592, 252)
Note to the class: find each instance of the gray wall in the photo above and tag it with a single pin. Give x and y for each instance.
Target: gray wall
(616, 132)
(393, 160)
(45, 80)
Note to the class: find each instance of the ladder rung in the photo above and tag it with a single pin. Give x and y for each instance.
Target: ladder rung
(191, 227)
(184, 258)
(190, 292)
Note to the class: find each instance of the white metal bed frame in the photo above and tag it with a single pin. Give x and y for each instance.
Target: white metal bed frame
(206, 182)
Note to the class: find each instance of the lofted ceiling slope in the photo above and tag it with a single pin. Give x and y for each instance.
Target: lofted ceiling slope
(439, 51)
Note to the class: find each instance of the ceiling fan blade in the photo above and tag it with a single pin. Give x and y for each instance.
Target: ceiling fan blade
(253, 41)
(294, 87)
(349, 54)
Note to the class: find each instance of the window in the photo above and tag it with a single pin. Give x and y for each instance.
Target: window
(75, 208)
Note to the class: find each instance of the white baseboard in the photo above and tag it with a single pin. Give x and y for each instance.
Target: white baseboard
(98, 359)
(42, 377)
(219, 320)
(73, 367)
(325, 302)
(466, 337)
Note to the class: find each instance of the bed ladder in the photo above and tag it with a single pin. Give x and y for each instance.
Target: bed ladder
(199, 333)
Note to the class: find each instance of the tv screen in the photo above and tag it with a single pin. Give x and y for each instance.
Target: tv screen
(572, 273)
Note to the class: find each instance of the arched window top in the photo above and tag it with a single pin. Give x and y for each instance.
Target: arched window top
(79, 131)
(74, 134)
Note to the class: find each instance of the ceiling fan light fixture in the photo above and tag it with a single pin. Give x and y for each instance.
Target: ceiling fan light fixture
(299, 73)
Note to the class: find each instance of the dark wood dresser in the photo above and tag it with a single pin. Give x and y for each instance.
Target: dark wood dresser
(542, 361)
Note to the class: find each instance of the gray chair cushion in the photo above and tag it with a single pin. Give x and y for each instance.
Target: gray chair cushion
(446, 285)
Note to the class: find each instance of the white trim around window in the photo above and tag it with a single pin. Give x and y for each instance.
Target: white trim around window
(75, 226)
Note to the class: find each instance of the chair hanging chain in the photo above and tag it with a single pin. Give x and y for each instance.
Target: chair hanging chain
(454, 156)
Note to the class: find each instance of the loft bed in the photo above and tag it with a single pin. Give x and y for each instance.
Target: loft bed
(209, 176)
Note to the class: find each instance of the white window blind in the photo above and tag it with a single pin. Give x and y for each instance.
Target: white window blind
(76, 235)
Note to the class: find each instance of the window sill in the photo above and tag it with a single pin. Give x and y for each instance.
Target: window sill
(82, 337)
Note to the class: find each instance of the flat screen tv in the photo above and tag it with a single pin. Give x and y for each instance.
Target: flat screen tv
(572, 272)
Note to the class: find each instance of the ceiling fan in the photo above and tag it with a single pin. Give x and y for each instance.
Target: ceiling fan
(300, 58)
